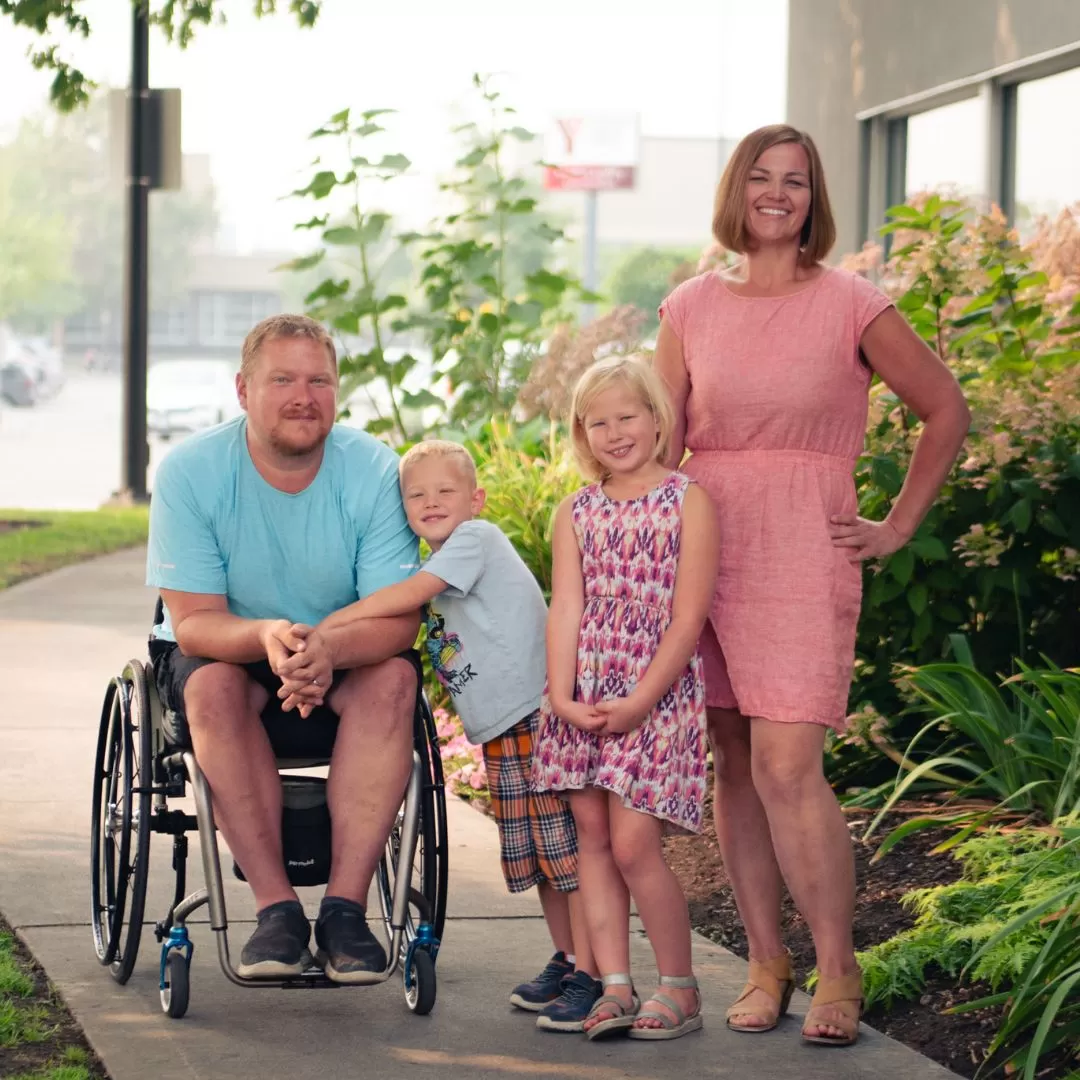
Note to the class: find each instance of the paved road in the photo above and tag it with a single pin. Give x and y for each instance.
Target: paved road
(64, 454)
(61, 636)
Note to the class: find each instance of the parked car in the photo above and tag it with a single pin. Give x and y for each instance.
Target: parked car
(43, 361)
(189, 395)
(19, 383)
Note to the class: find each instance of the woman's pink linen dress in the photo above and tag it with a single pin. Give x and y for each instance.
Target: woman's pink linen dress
(775, 419)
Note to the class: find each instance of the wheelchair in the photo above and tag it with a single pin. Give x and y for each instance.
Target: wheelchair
(143, 759)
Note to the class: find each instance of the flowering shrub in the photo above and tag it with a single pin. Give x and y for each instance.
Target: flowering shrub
(463, 762)
(998, 557)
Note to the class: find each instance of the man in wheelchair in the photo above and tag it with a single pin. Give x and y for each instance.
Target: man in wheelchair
(260, 528)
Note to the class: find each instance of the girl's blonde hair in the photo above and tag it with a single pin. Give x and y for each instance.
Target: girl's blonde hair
(729, 209)
(637, 375)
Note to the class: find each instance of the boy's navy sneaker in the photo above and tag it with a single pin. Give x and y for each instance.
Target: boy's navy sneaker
(278, 948)
(567, 1013)
(546, 987)
(348, 951)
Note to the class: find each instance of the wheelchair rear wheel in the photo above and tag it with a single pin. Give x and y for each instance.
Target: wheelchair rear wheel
(120, 821)
(429, 872)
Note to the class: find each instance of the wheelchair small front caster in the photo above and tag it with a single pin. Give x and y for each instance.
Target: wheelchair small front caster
(177, 989)
(420, 986)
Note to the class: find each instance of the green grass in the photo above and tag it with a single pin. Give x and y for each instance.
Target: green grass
(64, 537)
(74, 1066)
(30, 1018)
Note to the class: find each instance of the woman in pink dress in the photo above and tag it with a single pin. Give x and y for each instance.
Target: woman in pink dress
(769, 364)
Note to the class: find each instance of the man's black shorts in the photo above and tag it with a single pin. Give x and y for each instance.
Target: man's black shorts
(290, 734)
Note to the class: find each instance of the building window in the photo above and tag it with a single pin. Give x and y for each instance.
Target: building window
(946, 149)
(1047, 159)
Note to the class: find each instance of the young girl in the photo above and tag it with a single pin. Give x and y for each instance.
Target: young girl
(623, 721)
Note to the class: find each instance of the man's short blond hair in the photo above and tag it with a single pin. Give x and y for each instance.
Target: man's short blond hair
(282, 326)
(441, 449)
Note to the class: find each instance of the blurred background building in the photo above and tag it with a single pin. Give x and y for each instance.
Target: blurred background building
(906, 95)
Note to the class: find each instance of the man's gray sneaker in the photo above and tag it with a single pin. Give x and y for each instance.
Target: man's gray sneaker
(348, 951)
(278, 948)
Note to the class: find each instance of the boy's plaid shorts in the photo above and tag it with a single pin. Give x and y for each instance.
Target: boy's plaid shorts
(537, 838)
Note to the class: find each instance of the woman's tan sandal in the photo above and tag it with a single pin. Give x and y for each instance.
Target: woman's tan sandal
(843, 996)
(670, 1028)
(623, 1018)
(776, 980)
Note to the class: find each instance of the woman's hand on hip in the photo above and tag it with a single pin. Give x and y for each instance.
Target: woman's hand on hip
(865, 539)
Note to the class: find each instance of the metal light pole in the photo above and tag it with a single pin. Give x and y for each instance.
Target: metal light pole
(136, 450)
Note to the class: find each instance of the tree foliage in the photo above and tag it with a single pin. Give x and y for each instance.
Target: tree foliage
(177, 19)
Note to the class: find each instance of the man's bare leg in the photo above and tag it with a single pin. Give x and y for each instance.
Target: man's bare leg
(368, 775)
(369, 770)
(223, 705)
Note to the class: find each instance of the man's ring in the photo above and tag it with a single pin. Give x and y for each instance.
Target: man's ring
(314, 682)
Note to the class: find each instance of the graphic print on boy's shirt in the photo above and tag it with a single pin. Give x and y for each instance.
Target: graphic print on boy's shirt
(447, 654)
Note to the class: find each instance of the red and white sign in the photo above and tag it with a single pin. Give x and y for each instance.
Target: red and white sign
(591, 152)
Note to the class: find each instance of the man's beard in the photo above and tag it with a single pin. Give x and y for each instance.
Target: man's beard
(290, 449)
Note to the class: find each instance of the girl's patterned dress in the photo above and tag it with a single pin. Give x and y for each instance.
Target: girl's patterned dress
(629, 555)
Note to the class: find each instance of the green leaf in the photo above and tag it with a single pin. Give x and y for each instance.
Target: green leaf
(901, 565)
(1020, 515)
(316, 222)
(907, 213)
(929, 548)
(397, 163)
(372, 228)
(472, 159)
(885, 473)
(304, 262)
(917, 597)
(523, 134)
(489, 322)
(322, 183)
(421, 399)
(342, 235)
(379, 426)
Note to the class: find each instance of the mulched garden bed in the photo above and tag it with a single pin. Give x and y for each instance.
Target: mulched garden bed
(958, 1042)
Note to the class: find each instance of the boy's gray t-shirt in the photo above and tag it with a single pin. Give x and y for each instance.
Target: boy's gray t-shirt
(485, 631)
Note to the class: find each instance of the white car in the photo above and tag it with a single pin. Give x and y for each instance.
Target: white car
(189, 395)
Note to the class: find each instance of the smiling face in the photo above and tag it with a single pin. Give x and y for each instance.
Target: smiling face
(439, 495)
(290, 396)
(778, 195)
(621, 430)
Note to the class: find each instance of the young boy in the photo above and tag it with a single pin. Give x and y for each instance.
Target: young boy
(485, 637)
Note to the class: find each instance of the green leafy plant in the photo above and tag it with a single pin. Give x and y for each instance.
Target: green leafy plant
(1011, 921)
(487, 313)
(1016, 745)
(355, 242)
(523, 491)
(998, 557)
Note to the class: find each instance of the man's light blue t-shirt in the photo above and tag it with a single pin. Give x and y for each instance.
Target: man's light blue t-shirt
(216, 526)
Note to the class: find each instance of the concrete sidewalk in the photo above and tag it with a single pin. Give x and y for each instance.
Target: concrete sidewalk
(61, 638)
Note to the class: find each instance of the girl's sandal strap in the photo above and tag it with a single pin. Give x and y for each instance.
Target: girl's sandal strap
(844, 995)
(624, 1014)
(669, 1028)
(776, 980)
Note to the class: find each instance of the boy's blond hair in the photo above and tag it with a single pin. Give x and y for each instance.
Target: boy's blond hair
(637, 375)
(438, 448)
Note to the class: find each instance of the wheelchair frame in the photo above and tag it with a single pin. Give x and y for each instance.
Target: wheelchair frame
(137, 770)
